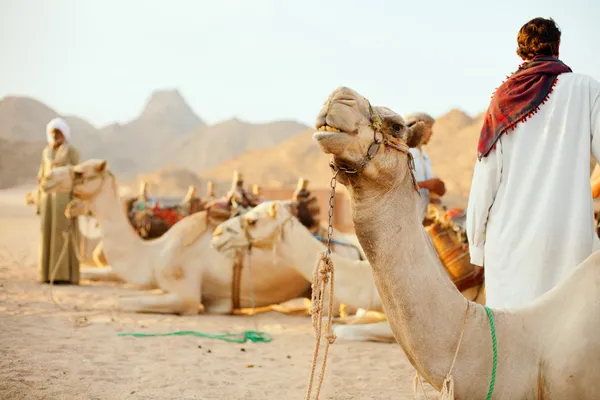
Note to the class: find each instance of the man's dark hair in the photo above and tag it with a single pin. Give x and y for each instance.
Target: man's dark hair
(538, 37)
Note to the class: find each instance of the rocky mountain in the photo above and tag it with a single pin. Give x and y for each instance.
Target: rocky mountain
(19, 162)
(170, 139)
(452, 151)
(208, 147)
(143, 144)
(23, 136)
(167, 132)
(24, 119)
(281, 165)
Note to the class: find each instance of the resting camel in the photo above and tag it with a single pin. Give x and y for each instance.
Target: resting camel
(270, 226)
(181, 262)
(548, 349)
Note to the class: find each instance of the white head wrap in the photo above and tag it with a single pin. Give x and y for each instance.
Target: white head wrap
(61, 125)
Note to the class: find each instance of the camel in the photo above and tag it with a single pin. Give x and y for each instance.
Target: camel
(271, 226)
(181, 262)
(547, 349)
(150, 226)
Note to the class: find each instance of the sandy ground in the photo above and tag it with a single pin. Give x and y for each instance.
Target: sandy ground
(43, 355)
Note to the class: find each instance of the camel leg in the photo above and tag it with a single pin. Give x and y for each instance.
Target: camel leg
(169, 303)
(299, 305)
(181, 281)
(361, 317)
(377, 332)
(100, 274)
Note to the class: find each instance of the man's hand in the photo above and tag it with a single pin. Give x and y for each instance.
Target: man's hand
(434, 185)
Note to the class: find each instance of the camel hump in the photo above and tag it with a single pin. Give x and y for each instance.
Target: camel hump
(189, 229)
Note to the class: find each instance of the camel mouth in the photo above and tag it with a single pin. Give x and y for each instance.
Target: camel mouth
(328, 128)
(225, 249)
(326, 132)
(220, 245)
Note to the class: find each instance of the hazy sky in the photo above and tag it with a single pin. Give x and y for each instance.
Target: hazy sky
(261, 60)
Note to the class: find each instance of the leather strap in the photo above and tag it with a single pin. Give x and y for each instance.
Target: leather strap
(236, 280)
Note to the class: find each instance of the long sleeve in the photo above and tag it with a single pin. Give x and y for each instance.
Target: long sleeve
(484, 186)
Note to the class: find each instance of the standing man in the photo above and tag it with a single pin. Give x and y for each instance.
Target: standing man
(431, 188)
(52, 267)
(530, 216)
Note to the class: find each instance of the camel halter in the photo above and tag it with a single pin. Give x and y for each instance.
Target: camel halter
(81, 179)
(387, 141)
(269, 241)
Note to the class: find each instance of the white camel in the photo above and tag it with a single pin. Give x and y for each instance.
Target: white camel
(271, 227)
(181, 262)
(548, 349)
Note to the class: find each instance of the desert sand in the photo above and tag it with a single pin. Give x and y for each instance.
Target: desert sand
(44, 355)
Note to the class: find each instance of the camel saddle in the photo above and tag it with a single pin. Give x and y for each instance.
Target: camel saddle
(454, 255)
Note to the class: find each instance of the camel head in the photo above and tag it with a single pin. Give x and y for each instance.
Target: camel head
(366, 141)
(261, 227)
(89, 177)
(84, 180)
(58, 180)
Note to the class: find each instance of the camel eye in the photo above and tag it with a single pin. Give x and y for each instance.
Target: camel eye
(77, 174)
(397, 127)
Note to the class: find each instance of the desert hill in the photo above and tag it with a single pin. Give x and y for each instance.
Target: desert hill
(281, 165)
(452, 151)
(167, 132)
(19, 162)
(208, 147)
(139, 145)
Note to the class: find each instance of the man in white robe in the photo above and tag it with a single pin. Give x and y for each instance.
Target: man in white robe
(530, 218)
(430, 186)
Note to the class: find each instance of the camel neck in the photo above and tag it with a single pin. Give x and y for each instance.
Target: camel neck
(353, 278)
(121, 243)
(424, 308)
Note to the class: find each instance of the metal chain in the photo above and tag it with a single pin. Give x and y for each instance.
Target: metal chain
(333, 185)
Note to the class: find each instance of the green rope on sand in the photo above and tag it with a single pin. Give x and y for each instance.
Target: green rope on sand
(495, 351)
(253, 336)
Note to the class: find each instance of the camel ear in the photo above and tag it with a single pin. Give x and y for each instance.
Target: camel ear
(101, 167)
(414, 134)
(273, 210)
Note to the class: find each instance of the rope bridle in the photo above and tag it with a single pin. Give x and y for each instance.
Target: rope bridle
(269, 241)
(81, 179)
(387, 141)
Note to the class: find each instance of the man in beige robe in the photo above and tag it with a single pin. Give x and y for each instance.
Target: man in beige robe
(59, 152)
